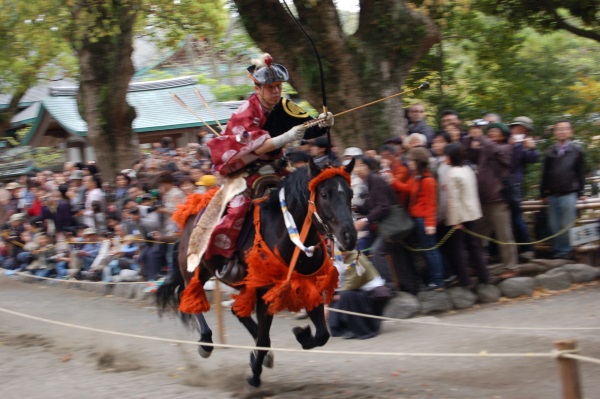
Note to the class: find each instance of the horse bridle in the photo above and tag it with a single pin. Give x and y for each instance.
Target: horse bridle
(324, 225)
(325, 174)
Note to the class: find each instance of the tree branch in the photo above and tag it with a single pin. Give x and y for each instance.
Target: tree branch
(562, 24)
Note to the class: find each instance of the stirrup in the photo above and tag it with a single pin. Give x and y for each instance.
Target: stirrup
(232, 272)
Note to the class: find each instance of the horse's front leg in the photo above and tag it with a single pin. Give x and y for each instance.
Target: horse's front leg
(205, 331)
(263, 339)
(304, 334)
(252, 328)
(205, 336)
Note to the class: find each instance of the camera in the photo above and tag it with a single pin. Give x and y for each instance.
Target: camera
(155, 206)
(133, 211)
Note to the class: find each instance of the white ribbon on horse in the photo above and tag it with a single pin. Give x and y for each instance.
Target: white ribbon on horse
(291, 226)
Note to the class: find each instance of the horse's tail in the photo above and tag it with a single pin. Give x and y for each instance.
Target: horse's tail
(168, 293)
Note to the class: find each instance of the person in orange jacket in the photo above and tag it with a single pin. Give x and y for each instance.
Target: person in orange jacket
(422, 189)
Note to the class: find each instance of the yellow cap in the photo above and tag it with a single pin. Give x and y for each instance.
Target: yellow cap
(207, 181)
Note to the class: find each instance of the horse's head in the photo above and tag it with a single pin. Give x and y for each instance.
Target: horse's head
(333, 197)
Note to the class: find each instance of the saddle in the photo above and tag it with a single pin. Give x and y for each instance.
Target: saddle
(235, 270)
(215, 231)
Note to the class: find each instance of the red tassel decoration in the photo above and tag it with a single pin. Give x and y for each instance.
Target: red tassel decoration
(193, 299)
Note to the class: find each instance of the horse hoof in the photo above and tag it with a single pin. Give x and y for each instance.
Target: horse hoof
(269, 361)
(253, 382)
(205, 351)
(322, 340)
(304, 337)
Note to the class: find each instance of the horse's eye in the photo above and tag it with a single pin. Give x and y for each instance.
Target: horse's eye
(324, 194)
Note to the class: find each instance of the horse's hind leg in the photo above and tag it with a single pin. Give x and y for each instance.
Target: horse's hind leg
(205, 331)
(263, 340)
(304, 334)
(205, 336)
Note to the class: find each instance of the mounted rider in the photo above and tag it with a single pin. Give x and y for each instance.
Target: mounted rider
(249, 149)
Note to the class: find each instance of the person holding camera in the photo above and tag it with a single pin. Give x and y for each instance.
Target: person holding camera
(171, 197)
(524, 153)
(95, 200)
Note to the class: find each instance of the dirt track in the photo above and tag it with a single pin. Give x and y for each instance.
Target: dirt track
(41, 360)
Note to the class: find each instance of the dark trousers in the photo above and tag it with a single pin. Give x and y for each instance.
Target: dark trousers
(520, 229)
(465, 251)
(153, 258)
(400, 262)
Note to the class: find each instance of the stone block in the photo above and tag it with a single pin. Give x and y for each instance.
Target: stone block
(461, 297)
(532, 269)
(518, 286)
(434, 301)
(554, 280)
(581, 273)
(402, 306)
(487, 293)
(550, 264)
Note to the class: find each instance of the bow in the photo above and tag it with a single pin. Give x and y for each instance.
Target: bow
(323, 94)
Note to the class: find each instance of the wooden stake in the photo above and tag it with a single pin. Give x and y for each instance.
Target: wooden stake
(569, 371)
(219, 312)
(393, 271)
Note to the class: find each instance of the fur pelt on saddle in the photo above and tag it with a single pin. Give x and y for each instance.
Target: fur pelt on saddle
(214, 207)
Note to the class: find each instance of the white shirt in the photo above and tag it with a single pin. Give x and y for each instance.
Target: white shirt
(462, 196)
(91, 196)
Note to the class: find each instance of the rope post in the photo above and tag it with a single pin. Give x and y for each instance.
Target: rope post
(569, 371)
(393, 271)
(219, 312)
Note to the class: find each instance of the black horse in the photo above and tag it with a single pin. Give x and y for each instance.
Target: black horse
(332, 201)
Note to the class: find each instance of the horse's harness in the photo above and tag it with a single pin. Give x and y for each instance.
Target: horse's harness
(325, 174)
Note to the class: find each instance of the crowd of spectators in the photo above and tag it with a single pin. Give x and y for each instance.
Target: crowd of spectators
(73, 224)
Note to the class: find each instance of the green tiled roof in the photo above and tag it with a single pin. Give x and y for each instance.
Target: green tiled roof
(156, 110)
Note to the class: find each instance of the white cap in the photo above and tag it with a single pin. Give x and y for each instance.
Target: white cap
(352, 152)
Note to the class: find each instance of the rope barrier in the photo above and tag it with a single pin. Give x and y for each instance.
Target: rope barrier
(480, 354)
(491, 239)
(562, 231)
(439, 244)
(579, 357)
(473, 326)
(95, 242)
(561, 353)
(75, 281)
(412, 321)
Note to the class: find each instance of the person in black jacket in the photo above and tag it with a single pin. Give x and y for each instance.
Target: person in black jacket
(563, 178)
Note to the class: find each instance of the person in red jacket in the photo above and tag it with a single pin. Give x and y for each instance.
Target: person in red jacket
(422, 190)
(39, 192)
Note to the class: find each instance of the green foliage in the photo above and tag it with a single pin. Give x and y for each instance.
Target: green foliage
(168, 22)
(231, 93)
(32, 48)
(581, 17)
(485, 65)
(42, 157)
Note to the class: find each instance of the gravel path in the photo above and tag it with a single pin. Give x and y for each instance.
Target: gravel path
(41, 360)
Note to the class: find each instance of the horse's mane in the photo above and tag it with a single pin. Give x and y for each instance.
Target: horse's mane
(296, 193)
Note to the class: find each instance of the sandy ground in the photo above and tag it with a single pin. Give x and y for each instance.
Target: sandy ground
(40, 360)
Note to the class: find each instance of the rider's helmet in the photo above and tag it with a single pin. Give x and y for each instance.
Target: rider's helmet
(264, 71)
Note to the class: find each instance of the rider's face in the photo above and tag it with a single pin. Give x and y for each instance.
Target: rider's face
(269, 94)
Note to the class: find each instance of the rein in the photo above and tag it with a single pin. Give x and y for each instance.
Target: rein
(312, 210)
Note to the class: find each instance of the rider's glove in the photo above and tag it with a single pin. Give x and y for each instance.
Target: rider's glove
(327, 119)
(294, 134)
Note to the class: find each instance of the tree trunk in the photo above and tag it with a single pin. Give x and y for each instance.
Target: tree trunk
(360, 68)
(9, 112)
(106, 70)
